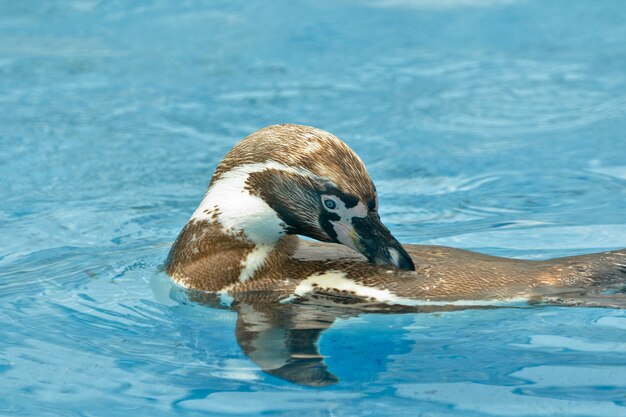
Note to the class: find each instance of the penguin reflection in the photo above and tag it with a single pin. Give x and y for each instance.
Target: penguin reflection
(282, 338)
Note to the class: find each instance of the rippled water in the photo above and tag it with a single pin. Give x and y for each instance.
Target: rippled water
(494, 125)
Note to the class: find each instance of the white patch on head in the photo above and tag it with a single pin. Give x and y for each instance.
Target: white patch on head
(343, 227)
(238, 210)
(255, 259)
(346, 214)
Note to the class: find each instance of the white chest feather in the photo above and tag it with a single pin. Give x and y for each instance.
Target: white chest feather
(238, 210)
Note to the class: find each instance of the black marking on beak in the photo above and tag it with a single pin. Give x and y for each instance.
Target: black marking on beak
(378, 245)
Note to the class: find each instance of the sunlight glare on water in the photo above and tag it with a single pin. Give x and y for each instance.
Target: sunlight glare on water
(493, 125)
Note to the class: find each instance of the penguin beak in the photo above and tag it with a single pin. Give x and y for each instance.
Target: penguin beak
(371, 238)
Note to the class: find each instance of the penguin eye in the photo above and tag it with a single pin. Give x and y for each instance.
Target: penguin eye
(330, 204)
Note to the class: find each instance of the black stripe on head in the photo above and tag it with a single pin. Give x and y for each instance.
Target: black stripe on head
(325, 222)
(348, 199)
(326, 216)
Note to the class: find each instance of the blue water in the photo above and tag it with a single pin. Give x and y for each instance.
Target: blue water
(493, 125)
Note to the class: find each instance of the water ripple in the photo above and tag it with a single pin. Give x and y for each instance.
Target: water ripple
(500, 95)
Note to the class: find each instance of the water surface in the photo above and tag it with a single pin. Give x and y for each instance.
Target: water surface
(493, 125)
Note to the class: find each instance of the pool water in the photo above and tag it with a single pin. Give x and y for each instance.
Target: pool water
(492, 125)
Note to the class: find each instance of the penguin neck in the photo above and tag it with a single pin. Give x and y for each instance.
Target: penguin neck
(233, 236)
(210, 257)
